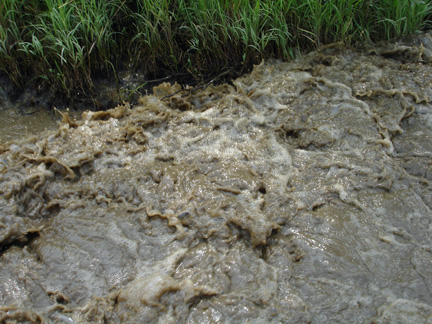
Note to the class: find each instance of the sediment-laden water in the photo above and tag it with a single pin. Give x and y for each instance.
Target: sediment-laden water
(299, 194)
(17, 125)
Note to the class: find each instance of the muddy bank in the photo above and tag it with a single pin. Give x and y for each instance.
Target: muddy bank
(33, 109)
(302, 193)
(129, 84)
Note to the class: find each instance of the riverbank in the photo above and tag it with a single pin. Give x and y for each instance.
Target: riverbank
(68, 50)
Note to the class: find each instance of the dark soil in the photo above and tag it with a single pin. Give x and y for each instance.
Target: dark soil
(107, 92)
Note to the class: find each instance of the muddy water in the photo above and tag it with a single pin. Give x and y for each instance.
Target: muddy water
(301, 194)
(16, 125)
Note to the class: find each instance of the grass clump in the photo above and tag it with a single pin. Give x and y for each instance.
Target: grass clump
(65, 44)
(12, 31)
(397, 18)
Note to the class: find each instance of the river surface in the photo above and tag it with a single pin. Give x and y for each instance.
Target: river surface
(301, 193)
(17, 125)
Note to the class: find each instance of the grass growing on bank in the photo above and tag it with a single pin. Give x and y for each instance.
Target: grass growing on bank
(64, 44)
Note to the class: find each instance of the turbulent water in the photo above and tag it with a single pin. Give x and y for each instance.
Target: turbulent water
(299, 194)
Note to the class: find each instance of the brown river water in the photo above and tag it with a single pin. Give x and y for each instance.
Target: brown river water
(16, 125)
(299, 194)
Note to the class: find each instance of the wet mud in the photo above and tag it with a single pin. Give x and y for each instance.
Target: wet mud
(299, 194)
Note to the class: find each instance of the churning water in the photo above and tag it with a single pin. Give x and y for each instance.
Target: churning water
(301, 193)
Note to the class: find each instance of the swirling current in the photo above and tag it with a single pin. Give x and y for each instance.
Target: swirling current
(300, 193)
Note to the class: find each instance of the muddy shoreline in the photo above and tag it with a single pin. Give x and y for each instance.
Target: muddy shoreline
(32, 109)
(129, 85)
(299, 193)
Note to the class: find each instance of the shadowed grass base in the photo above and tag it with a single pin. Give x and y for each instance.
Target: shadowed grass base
(64, 45)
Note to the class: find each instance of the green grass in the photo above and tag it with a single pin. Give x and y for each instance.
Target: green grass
(65, 44)
(397, 18)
